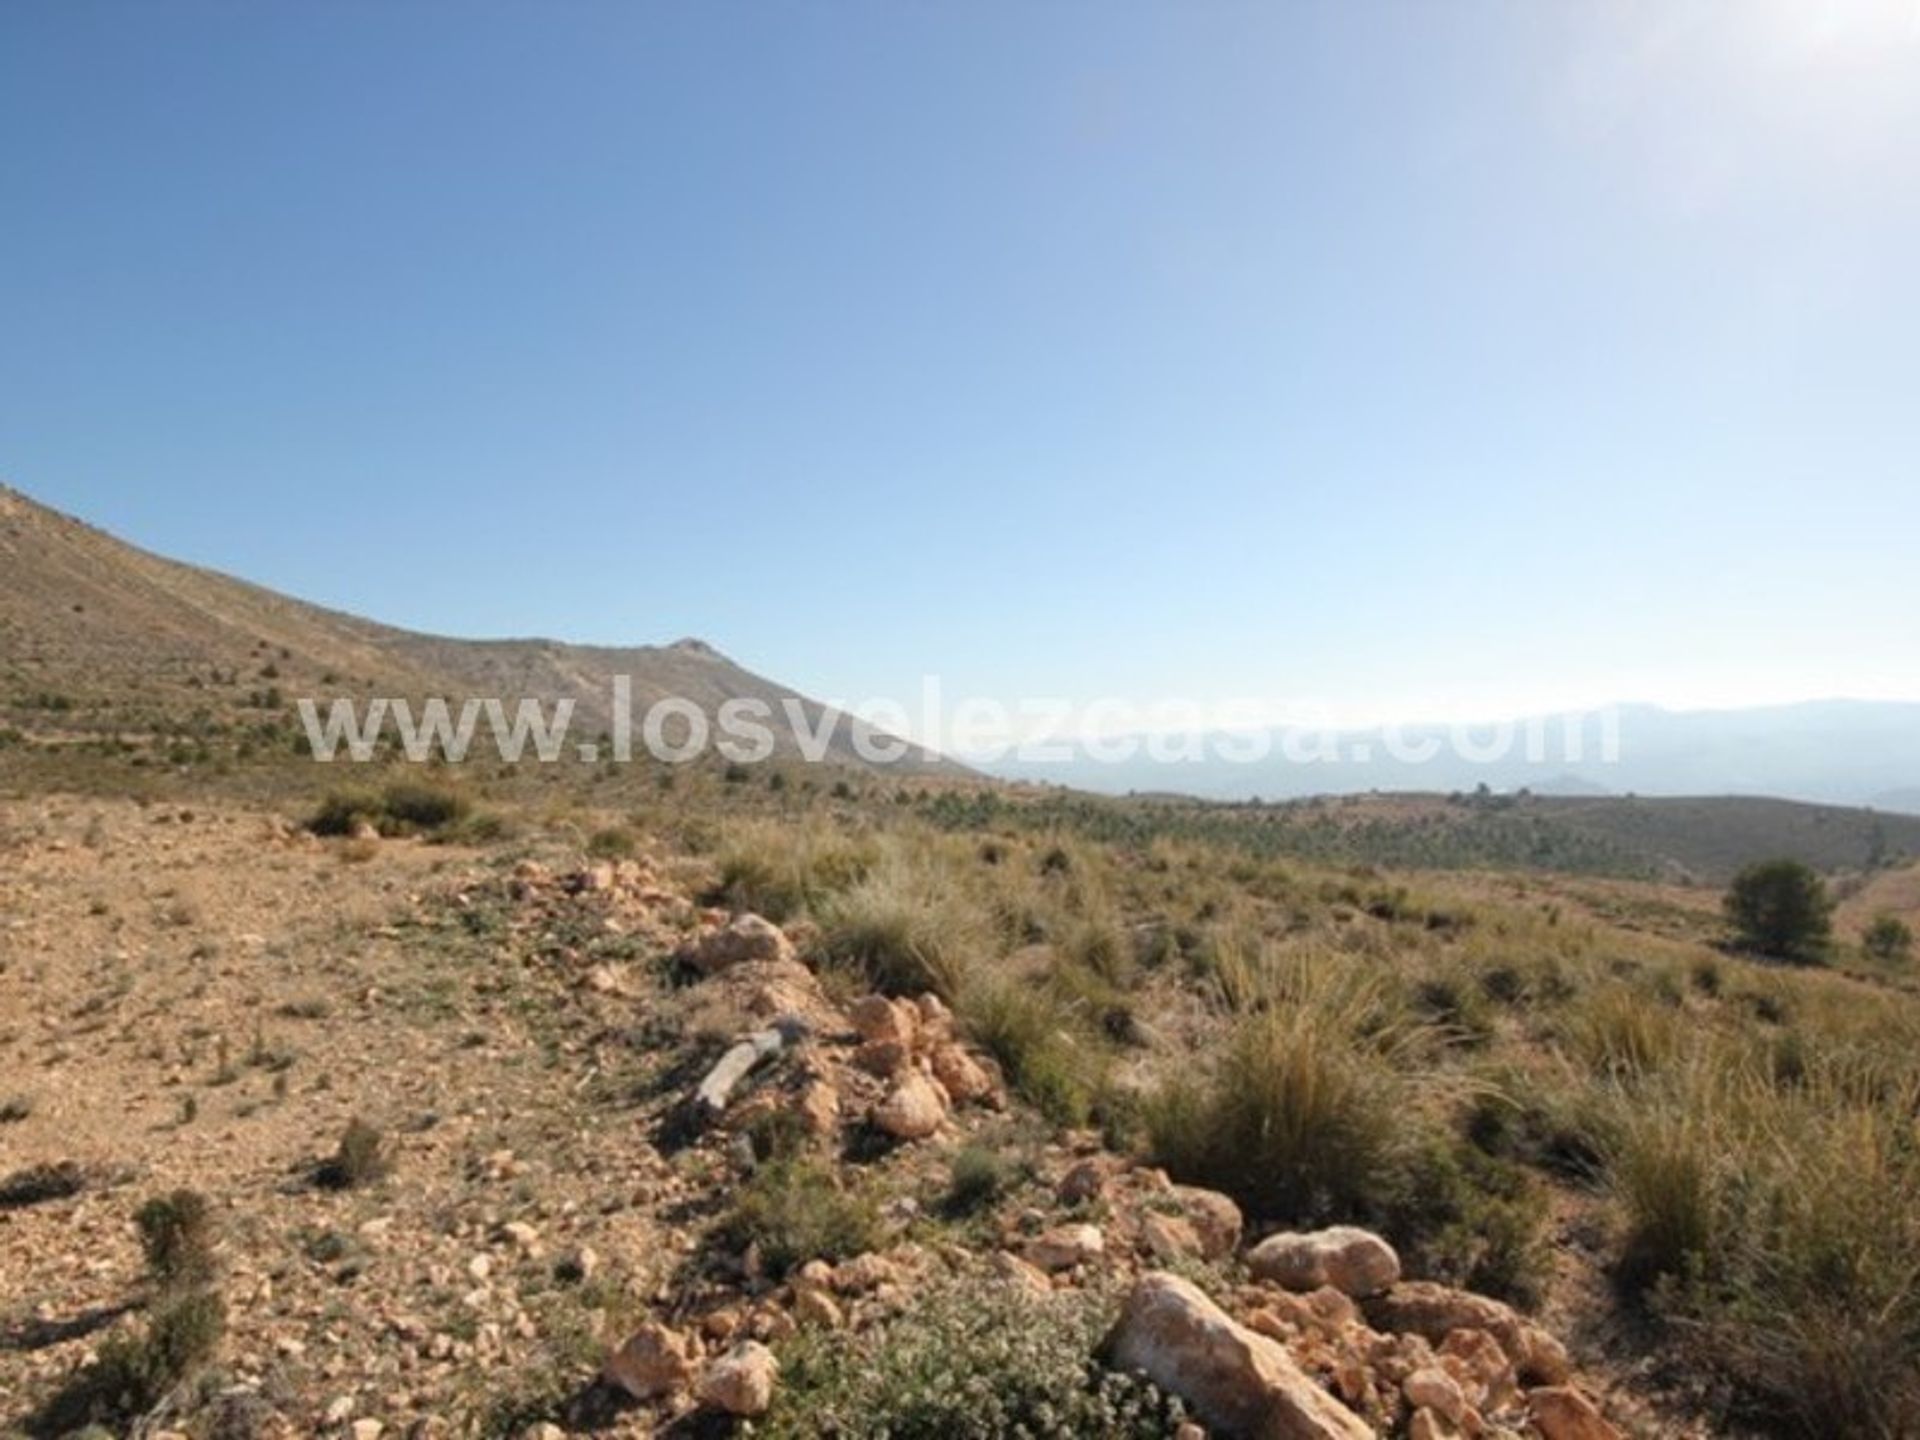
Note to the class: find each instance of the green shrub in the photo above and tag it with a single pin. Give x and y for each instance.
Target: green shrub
(133, 1373)
(1046, 1056)
(614, 843)
(405, 807)
(977, 1358)
(977, 1179)
(796, 1211)
(343, 811)
(415, 805)
(1889, 940)
(1781, 908)
(176, 1233)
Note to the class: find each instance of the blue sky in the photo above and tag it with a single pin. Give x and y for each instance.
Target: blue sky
(1422, 359)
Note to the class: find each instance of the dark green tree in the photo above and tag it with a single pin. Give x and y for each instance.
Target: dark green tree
(1781, 908)
(1889, 940)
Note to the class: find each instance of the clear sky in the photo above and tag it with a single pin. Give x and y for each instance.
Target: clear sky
(1422, 358)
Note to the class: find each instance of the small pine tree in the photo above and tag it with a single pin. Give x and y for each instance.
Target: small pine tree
(1781, 908)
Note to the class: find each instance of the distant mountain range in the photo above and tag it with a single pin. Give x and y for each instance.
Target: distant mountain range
(1837, 752)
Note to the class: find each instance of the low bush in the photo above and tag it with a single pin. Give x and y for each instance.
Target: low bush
(1291, 1119)
(360, 1158)
(1047, 1056)
(977, 1358)
(796, 1211)
(176, 1233)
(133, 1373)
(977, 1178)
(904, 929)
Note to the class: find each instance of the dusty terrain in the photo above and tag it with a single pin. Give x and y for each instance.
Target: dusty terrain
(207, 997)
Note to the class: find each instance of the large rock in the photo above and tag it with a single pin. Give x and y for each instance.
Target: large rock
(877, 1018)
(747, 938)
(741, 1381)
(959, 1074)
(1353, 1261)
(1562, 1413)
(1437, 1311)
(654, 1361)
(1213, 1216)
(912, 1110)
(1236, 1381)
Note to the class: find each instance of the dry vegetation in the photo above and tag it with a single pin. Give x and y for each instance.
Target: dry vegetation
(1699, 1166)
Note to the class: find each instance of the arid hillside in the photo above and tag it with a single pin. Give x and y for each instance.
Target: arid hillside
(99, 637)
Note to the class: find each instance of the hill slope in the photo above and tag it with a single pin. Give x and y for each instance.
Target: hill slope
(99, 636)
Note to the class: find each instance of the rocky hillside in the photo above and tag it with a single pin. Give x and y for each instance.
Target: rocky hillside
(98, 637)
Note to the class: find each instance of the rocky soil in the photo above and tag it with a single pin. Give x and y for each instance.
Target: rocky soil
(574, 1071)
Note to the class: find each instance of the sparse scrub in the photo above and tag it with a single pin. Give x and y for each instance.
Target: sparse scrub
(977, 1178)
(361, 1158)
(133, 1373)
(1292, 1118)
(783, 872)
(176, 1234)
(1625, 1035)
(977, 1358)
(1048, 1058)
(797, 1211)
(404, 807)
(905, 929)
(616, 842)
(1888, 940)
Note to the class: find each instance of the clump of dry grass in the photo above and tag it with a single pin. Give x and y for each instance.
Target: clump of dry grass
(905, 929)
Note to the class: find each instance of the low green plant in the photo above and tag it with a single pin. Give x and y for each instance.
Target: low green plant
(134, 1372)
(977, 1178)
(976, 1358)
(798, 1210)
(176, 1234)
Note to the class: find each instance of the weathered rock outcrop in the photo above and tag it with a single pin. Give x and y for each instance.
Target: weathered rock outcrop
(1236, 1381)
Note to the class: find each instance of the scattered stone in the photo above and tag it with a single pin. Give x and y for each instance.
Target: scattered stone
(746, 939)
(884, 1058)
(1434, 1389)
(1561, 1412)
(1236, 1381)
(1353, 1261)
(912, 1110)
(1066, 1246)
(1084, 1182)
(1170, 1237)
(1214, 1216)
(741, 1381)
(654, 1361)
(875, 1018)
(959, 1074)
(1015, 1271)
(864, 1273)
(1436, 1311)
(816, 1307)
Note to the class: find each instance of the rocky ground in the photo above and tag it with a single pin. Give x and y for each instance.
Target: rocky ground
(566, 1075)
